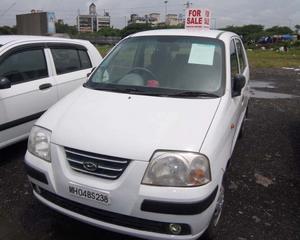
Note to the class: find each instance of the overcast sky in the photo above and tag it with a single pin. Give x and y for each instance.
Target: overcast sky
(226, 12)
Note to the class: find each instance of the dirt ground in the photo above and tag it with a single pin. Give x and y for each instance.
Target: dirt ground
(262, 185)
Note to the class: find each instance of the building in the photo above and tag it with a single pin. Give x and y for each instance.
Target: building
(152, 18)
(92, 9)
(172, 20)
(36, 23)
(136, 19)
(92, 22)
(103, 21)
(85, 23)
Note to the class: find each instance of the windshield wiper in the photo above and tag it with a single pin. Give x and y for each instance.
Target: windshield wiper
(129, 90)
(193, 94)
(153, 92)
(115, 88)
(122, 89)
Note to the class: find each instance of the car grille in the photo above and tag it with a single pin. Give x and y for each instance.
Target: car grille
(96, 164)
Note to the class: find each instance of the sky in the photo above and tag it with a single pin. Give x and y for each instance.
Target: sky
(225, 12)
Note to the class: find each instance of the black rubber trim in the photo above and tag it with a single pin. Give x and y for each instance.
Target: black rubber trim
(22, 48)
(179, 208)
(20, 121)
(56, 45)
(36, 174)
(111, 217)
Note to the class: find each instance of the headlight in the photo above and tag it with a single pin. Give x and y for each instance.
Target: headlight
(39, 143)
(177, 169)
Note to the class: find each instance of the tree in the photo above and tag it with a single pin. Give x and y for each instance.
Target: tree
(109, 32)
(65, 28)
(6, 30)
(134, 28)
(138, 27)
(278, 30)
(248, 33)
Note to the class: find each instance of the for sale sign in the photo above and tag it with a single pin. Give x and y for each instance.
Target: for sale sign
(197, 18)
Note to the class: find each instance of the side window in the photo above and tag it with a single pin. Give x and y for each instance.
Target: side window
(25, 65)
(65, 60)
(85, 61)
(241, 55)
(233, 60)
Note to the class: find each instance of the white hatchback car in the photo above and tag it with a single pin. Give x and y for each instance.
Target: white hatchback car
(143, 146)
(35, 72)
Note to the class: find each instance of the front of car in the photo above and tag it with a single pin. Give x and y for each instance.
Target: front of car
(123, 151)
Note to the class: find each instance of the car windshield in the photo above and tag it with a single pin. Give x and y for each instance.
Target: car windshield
(178, 66)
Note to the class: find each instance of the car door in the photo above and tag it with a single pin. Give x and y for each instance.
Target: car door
(238, 65)
(72, 65)
(32, 91)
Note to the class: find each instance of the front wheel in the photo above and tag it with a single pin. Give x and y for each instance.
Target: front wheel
(212, 228)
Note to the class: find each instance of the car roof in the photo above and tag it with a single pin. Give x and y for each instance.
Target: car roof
(5, 39)
(184, 32)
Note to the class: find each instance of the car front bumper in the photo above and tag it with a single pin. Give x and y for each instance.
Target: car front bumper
(136, 209)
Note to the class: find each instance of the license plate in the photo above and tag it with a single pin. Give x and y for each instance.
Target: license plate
(89, 194)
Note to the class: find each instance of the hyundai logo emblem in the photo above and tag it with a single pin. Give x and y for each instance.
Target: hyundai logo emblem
(90, 166)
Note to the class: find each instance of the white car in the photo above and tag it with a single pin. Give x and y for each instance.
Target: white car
(143, 146)
(35, 72)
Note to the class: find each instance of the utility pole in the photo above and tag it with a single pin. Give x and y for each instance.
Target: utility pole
(166, 9)
(78, 20)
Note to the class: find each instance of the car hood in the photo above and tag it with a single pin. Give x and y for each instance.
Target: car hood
(129, 126)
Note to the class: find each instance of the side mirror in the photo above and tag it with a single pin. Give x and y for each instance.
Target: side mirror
(4, 83)
(238, 82)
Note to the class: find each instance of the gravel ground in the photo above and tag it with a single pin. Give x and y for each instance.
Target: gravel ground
(262, 184)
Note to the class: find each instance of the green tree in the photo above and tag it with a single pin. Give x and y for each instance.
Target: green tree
(134, 28)
(278, 30)
(251, 32)
(109, 32)
(65, 28)
(138, 27)
(6, 30)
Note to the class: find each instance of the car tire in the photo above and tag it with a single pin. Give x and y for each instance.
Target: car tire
(210, 232)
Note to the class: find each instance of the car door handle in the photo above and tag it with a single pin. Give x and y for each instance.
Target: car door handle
(45, 86)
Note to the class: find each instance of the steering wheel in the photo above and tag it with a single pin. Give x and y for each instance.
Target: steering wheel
(143, 69)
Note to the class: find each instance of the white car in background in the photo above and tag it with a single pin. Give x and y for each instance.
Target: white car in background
(35, 72)
(143, 146)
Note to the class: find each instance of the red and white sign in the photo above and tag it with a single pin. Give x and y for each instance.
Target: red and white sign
(197, 18)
